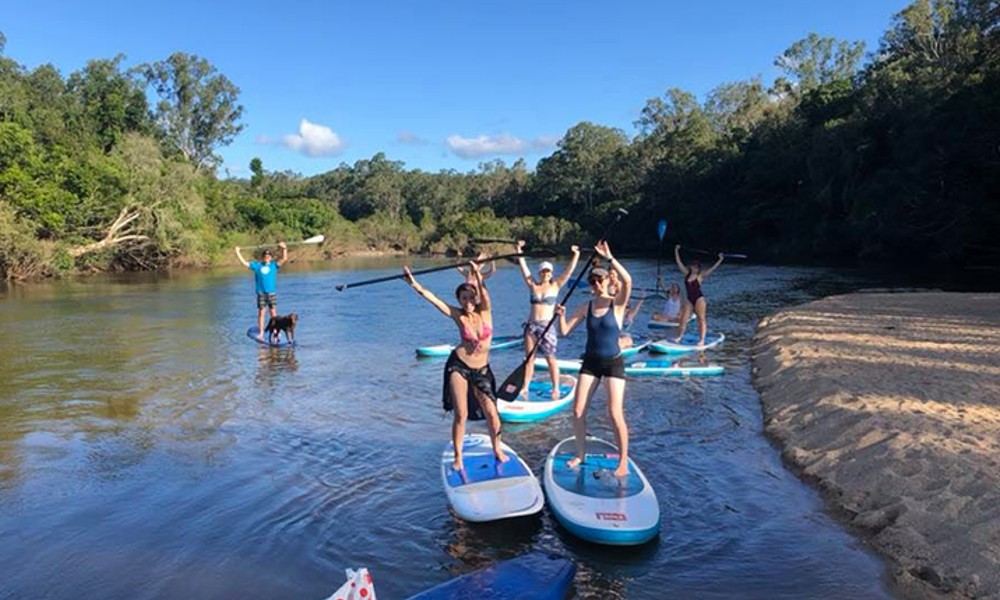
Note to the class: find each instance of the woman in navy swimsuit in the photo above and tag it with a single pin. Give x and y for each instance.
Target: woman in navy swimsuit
(604, 317)
(696, 302)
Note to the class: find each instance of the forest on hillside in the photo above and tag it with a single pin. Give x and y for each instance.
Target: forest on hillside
(888, 155)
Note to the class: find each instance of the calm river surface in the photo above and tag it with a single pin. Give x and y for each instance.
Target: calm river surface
(148, 449)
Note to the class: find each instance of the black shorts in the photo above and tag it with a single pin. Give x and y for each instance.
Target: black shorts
(267, 300)
(603, 367)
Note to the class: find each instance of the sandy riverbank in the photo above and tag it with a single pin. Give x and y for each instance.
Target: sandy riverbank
(890, 403)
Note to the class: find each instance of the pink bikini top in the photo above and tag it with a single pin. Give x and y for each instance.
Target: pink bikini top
(469, 336)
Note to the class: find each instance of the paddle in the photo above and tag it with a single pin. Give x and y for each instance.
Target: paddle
(538, 253)
(492, 241)
(710, 253)
(511, 387)
(661, 230)
(316, 239)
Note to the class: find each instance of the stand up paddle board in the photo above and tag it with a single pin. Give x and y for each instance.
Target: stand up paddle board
(539, 404)
(688, 343)
(254, 334)
(652, 324)
(669, 367)
(592, 504)
(486, 489)
(532, 576)
(572, 365)
(499, 343)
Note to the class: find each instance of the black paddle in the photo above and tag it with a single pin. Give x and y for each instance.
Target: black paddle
(511, 387)
(710, 253)
(344, 286)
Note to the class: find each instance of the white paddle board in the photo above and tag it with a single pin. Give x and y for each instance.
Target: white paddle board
(487, 489)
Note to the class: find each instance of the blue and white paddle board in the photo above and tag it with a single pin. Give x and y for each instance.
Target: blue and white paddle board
(499, 343)
(670, 367)
(487, 489)
(592, 504)
(572, 365)
(532, 576)
(688, 343)
(539, 404)
(653, 324)
(254, 332)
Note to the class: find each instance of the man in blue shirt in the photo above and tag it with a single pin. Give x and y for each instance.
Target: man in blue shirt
(265, 275)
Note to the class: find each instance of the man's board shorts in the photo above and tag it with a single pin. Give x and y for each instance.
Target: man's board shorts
(267, 300)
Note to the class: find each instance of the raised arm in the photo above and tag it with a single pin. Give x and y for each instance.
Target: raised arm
(677, 258)
(493, 269)
(630, 315)
(566, 326)
(427, 294)
(621, 298)
(525, 271)
(713, 267)
(240, 256)
(284, 253)
(484, 294)
(572, 266)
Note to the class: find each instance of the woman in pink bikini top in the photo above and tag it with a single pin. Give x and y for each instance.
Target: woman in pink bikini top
(469, 385)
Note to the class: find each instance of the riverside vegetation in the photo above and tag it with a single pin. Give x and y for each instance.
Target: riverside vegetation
(891, 156)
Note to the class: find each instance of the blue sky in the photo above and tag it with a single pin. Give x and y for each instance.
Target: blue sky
(438, 85)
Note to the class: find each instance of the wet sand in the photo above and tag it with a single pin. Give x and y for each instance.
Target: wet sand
(890, 404)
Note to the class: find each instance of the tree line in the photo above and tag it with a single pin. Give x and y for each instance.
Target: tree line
(891, 156)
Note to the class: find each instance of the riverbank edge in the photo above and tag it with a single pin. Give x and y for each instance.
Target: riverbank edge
(803, 389)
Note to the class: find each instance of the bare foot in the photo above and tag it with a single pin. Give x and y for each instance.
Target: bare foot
(622, 470)
(555, 393)
(574, 462)
(501, 457)
(677, 340)
(457, 465)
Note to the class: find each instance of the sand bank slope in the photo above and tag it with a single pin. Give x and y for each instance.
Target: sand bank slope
(891, 403)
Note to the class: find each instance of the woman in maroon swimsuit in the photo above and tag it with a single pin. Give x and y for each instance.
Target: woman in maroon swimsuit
(696, 302)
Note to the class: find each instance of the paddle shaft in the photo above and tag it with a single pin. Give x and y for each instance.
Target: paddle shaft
(345, 286)
(511, 386)
(313, 240)
(710, 253)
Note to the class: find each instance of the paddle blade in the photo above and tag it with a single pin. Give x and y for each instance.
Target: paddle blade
(661, 228)
(316, 239)
(511, 386)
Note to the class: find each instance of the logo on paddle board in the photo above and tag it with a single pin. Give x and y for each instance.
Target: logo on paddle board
(611, 516)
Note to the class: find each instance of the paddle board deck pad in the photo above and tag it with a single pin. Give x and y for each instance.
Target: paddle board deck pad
(688, 343)
(669, 367)
(499, 343)
(539, 404)
(532, 576)
(254, 334)
(592, 504)
(667, 324)
(486, 489)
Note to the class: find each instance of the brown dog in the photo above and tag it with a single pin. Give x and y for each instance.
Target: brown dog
(285, 323)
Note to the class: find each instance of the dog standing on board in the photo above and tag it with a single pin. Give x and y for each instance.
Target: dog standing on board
(282, 323)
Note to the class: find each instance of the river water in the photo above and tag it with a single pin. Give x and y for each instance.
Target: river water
(148, 449)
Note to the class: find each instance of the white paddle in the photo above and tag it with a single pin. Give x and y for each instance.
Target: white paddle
(316, 239)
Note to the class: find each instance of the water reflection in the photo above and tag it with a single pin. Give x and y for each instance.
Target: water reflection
(149, 450)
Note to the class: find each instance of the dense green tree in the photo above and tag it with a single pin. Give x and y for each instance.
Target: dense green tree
(199, 108)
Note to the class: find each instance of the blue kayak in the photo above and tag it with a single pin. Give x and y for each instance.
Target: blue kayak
(254, 334)
(532, 576)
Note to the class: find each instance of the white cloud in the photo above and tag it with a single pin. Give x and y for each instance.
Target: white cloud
(312, 140)
(408, 137)
(485, 145)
